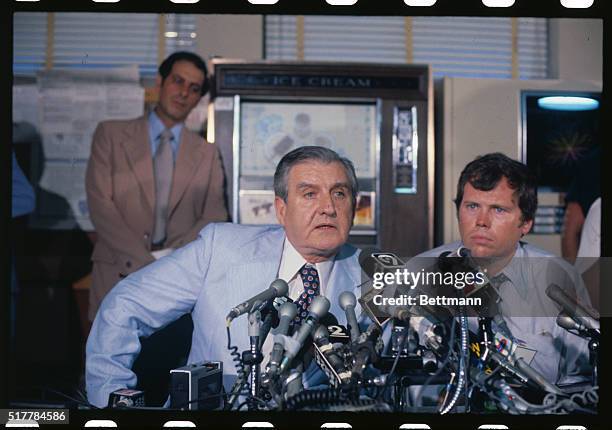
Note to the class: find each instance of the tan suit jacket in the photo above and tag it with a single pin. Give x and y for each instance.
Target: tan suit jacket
(121, 198)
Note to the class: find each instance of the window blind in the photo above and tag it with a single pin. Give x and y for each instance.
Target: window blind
(453, 46)
(98, 40)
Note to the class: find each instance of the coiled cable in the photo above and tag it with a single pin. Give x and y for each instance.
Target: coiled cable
(241, 380)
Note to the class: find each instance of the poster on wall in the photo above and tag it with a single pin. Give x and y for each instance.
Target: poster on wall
(269, 130)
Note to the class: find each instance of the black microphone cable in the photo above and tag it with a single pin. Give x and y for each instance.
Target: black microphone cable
(389, 377)
(445, 363)
(66, 396)
(241, 379)
(462, 379)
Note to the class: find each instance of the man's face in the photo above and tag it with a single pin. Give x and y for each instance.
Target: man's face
(490, 222)
(179, 93)
(318, 213)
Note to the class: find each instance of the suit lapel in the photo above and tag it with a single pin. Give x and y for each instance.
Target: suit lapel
(138, 152)
(345, 276)
(188, 159)
(261, 262)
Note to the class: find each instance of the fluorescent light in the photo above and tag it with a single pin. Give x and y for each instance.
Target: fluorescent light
(420, 2)
(28, 0)
(106, 1)
(577, 4)
(252, 424)
(498, 3)
(568, 103)
(336, 426)
(185, 1)
(171, 34)
(263, 1)
(341, 2)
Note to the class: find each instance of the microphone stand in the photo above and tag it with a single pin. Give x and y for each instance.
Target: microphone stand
(594, 357)
(587, 333)
(253, 357)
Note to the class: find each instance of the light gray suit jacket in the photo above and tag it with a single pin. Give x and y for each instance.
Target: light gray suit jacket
(226, 265)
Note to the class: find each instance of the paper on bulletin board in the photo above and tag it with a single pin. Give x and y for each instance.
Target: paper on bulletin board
(72, 103)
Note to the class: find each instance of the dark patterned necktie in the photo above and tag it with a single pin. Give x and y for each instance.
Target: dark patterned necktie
(310, 280)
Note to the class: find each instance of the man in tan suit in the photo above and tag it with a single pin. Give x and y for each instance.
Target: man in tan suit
(151, 183)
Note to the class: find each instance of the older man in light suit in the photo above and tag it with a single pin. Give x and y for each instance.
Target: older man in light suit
(315, 201)
(151, 183)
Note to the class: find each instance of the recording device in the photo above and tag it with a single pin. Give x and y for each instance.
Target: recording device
(318, 308)
(197, 386)
(277, 288)
(583, 316)
(126, 398)
(347, 302)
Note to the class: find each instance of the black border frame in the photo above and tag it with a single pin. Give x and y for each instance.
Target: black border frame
(294, 420)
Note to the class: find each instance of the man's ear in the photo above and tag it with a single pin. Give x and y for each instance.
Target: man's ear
(526, 227)
(280, 207)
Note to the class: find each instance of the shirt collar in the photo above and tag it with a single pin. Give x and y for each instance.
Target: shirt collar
(156, 126)
(292, 262)
(514, 271)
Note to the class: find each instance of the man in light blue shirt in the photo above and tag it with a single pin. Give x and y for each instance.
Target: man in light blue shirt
(496, 203)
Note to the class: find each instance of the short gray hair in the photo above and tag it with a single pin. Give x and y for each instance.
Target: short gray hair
(312, 153)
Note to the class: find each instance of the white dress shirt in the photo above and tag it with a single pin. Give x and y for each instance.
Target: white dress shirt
(290, 265)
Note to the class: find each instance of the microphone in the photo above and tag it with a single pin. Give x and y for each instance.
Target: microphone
(572, 308)
(334, 365)
(520, 369)
(536, 377)
(277, 288)
(569, 323)
(373, 260)
(347, 302)
(366, 350)
(270, 317)
(286, 313)
(318, 308)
